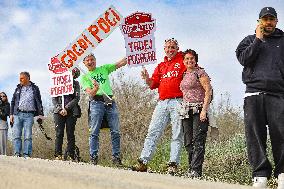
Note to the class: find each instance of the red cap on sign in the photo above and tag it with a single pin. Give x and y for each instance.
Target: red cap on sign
(140, 24)
(137, 18)
(55, 66)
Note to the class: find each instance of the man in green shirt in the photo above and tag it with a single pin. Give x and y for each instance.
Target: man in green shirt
(97, 85)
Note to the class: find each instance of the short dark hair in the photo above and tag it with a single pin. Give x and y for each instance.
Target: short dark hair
(190, 51)
(27, 74)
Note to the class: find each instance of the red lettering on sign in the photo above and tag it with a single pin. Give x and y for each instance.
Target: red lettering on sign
(94, 30)
(103, 25)
(108, 21)
(114, 14)
(85, 37)
(79, 52)
(141, 45)
(67, 64)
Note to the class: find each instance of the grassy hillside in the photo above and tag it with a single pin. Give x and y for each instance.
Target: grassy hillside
(225, 160)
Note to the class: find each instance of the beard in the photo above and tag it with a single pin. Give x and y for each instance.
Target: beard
(268, 31)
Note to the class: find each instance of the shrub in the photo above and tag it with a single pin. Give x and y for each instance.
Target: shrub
(225, 160)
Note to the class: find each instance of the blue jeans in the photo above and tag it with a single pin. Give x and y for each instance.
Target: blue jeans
(23, 121)
(97, 110)
(165, 111)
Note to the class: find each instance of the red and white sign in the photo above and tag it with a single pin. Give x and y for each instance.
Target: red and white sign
(60, 78)
(138, 30)
(91, 37)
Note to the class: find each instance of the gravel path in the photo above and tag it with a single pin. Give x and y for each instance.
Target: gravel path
(36, 173)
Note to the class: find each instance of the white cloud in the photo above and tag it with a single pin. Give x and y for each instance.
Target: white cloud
(20, 17)
(32, 34)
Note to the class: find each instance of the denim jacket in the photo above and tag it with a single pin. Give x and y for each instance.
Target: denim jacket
(16, 99)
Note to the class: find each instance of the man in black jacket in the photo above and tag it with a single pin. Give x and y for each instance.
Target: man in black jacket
(262, 56)
(25, 105)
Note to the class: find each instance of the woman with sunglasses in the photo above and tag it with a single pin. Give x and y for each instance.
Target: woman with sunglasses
(4, 113)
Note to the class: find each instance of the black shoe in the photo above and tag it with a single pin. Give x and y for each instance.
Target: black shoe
(94, 160)
(116, 161)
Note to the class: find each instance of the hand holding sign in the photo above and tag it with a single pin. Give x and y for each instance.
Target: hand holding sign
(145, 76)
(144, 73)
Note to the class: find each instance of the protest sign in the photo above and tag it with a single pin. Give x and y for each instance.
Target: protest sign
(60, 78)
(90, 38)
(138, 30)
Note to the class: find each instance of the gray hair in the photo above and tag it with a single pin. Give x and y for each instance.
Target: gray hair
(27, 74)
(172, 40)
(91, 54)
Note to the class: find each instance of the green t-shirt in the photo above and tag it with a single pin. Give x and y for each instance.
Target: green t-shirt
(101, 75)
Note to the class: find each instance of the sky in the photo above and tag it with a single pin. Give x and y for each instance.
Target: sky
(33, 31)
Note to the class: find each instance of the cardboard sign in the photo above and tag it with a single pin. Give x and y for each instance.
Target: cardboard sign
(138, 30)
(60, 78)
(90, 38)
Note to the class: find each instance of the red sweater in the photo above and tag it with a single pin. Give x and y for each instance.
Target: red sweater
(167, 77)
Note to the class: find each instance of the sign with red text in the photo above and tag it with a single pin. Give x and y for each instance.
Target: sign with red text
(138, 31)
(91, 37)
(60, 78)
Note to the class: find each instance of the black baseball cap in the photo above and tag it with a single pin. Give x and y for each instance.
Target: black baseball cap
(268, 11)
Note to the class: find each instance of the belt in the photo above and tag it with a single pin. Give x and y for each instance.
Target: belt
(23, 111)
(99, 98)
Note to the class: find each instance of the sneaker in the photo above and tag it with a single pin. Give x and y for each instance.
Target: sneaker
(17, 155)
(140, 166)
(280, 181)
(116, 161)
(58, 157)
(260, 182)
(193, 174)
(94, 160)
(172, 168)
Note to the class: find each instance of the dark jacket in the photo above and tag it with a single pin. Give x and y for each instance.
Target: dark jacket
(16, 99)
(4, 110)
(71, 107)
(263, 62)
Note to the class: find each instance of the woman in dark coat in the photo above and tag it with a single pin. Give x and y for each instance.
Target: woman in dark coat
(4, 113)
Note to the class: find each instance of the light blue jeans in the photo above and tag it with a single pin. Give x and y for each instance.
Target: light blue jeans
(23, 121)
(166, 111)
(97, 111)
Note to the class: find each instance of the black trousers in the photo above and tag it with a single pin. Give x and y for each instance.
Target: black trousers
(195, 133)
(261, 110)
(60, 122)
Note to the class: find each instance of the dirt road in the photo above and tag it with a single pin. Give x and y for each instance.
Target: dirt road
(46, 174)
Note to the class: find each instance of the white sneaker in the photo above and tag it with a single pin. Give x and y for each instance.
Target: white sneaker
(280, 181)
(260, 182)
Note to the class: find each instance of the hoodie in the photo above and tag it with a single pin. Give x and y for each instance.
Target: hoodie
(167, 77)
(263, 63)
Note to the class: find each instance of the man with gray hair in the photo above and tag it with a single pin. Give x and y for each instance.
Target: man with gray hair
(96, 84)
(262, 56)
(25, 105)
(166, 78)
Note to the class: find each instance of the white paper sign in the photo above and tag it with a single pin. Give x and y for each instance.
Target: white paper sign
(91, 37)
(138, 30)
(60, 78)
